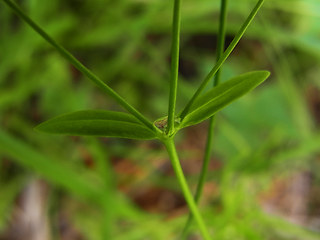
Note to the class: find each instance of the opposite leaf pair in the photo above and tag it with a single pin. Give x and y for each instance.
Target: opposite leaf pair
(117, 124)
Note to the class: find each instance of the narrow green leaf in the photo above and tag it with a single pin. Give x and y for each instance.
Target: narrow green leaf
(97, 123)
(219, 97)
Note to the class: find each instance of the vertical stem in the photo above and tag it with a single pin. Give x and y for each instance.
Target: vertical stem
(171, 149)
(174, 64)
(221, 37)
(202, 177)
(208, 149)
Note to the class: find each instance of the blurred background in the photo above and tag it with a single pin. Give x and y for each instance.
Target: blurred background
(263, 180)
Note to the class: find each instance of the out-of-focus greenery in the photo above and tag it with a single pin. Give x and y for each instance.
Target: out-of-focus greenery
(270, 133)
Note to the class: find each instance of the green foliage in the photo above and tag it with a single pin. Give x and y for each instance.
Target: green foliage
(97, 123)
(58, 173)
(116, 124)
(219, 97)
(113, 124)
(8, 194)
(264, 135)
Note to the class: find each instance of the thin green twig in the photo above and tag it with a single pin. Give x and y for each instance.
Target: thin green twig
(171, 149)
(222, 59)
(221, 37)
(174, 64)
(208, 149)
(77, 64)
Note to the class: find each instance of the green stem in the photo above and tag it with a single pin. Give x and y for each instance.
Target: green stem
(206, 159)
(77, 64)
(221, 37)
(170, 146)
(174, 64)
(203, 174)
(209, 145)
(222, 58)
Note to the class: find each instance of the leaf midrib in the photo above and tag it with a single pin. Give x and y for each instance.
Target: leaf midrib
(213, 99)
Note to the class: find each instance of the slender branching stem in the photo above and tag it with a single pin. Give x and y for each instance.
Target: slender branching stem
(174, 64)
(171, 149)
(209, 143)
(222, 59)
(77, 64)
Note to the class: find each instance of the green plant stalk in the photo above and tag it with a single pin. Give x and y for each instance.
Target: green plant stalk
(212, 121)
(221, 37)
(171, 149)
(222, 59)
(174, 64)
(77, 64)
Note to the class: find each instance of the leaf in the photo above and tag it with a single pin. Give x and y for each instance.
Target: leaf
(219, 97)
(97, 123)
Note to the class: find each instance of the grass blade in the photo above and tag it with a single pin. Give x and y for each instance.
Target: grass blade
(54, 171)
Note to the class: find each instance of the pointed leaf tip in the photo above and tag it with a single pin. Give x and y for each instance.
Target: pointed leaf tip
(219, 97)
